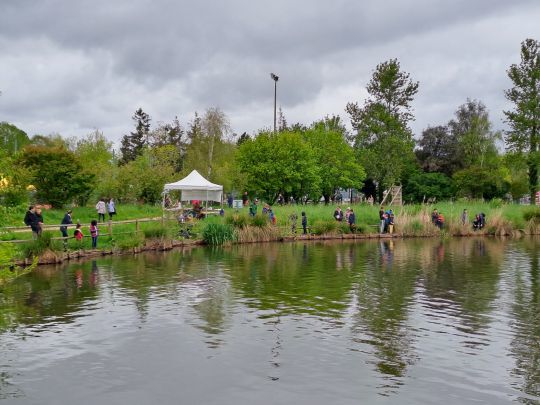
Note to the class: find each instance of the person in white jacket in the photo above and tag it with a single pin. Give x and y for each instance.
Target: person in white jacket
(101, 210)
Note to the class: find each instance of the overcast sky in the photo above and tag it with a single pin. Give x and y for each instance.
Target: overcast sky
(72, 66)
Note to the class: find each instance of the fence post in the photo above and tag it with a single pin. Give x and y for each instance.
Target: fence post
(137, 225)
(110, 227)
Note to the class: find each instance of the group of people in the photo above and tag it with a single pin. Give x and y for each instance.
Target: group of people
(386, 221)
(34, 219)
(103, 208)
(348, 217)
(293, 218)
(478, 223)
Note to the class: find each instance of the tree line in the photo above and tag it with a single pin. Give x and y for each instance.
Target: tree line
(462, 157)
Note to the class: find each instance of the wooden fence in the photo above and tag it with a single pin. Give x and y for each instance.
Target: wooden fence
(110, 225)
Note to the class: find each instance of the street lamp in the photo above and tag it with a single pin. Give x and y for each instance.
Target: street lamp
(275, 78)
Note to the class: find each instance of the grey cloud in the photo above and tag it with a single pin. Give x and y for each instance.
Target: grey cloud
(90, 64)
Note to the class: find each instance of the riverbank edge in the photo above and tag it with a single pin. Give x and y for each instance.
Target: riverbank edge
(154, 245)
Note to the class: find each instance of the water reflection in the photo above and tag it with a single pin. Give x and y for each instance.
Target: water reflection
(525, 345)
(384, 313)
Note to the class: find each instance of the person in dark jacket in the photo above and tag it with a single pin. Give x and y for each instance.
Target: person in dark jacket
(352, 220)
(304, 222)
(64, 229)
(29, 216)
(37, 224)
(230, 200)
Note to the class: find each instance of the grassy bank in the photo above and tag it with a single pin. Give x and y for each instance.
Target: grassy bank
(237, 227)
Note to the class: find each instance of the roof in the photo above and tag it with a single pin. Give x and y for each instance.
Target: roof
(193, 181)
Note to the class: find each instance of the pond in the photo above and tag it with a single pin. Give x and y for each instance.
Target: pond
(422, 321)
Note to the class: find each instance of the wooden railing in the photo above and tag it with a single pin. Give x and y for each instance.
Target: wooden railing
(110, 225)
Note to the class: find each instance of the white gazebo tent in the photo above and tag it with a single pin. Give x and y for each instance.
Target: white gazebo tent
(196, 187)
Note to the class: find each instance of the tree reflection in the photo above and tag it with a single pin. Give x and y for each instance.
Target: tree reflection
(526, 311)
(461, 279)
(384, 294)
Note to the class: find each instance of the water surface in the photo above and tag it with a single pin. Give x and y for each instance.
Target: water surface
(391, 322)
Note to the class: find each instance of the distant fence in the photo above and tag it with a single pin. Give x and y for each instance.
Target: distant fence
(110, 227)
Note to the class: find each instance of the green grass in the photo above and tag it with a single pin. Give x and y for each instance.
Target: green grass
(13, 216)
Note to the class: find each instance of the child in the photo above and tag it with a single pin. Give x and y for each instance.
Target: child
(78, 234)
(304, 222)
(94, 233)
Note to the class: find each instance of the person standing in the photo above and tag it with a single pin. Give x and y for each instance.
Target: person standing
(382, 218)
(230, 200)
(29, 216)
(245, 199)
(111, 207)
(63, 229)
(78, 234)
(390, 221)
(464, 217)
(434, 216)
(101, 209)
(253, 208)
(37, 225)
(304, 222)
(94, 233)
(293, 218)
(338, 214)
(351, 220)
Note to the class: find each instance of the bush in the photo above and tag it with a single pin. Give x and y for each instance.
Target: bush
(324, 226)
(496, 203)
(127, 241)
(532, 214)
(259, 221)
(41, 245)
(156, 232)
(218, 234)
(237, 220)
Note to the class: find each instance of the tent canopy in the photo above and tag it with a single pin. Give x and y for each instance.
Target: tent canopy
(196, 187)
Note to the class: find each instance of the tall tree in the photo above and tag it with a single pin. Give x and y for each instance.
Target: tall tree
(524, 119)
(438, 150)
(383, 139)
(216, 127)
(133, 144)
(12, 139)
(471, 128)
(57, 175)
(336, 161)
(172, 134)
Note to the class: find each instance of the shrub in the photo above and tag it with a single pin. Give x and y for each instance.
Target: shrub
(532, 214)
(496, 203)
(259, 220)
(41, 245)
(127, 241)
(156, 232)
(218, 234)
(324, 226)
(237, 220)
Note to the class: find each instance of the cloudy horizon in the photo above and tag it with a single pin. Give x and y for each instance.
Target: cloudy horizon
(73, 67)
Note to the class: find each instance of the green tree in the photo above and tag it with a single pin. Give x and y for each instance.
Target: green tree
(133, 144)
(279, 163)
(57, 175)
(422, 186)
(12, 138)
(143, 178)
(472, 130)
(171, 134)
(438, 150)
(382, 138)
(482, 182)
(95, 154)
(524, 119)
(13, 181)
(335, 158)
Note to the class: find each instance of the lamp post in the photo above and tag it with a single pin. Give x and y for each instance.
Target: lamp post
(275, 79)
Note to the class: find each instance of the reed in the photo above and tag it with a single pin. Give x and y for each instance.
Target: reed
(218, 234)
(252, 234)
